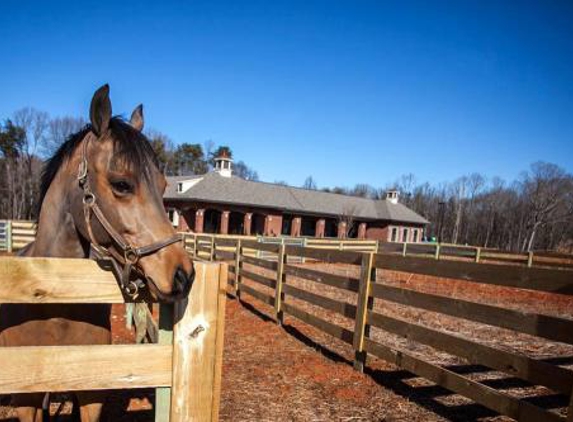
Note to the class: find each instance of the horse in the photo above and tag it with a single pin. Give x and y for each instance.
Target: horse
(101, 196)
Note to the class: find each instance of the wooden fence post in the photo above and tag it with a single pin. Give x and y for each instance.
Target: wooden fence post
(530, 259)
(279, 295)
(212, 249)
(9, 236)
(163, 394)
(198, 346)
(478, 254)
(404, 247)
(367, 273)
(437, 253)
(238, 265)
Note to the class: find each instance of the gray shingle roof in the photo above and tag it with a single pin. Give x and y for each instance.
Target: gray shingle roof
(212, 187)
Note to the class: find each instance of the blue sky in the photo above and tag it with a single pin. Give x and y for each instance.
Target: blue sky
(348, 92)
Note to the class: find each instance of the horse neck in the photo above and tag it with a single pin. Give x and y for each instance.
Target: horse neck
(57, 235)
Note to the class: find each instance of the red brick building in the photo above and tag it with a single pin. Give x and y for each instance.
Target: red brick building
(218, 202)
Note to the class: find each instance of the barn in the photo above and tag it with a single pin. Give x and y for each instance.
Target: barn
(218, 202)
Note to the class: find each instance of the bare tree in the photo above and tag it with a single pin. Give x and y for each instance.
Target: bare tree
(346, 218)
(549, 192)
(58, 131)
(309, 183)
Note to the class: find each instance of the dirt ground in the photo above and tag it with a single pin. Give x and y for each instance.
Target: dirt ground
(297, 373)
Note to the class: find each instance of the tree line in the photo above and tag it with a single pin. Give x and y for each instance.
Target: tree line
(533, 212)
(31, 136)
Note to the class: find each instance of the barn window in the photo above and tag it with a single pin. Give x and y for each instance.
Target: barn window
(180, 187)
(405, 235)
(415, 236)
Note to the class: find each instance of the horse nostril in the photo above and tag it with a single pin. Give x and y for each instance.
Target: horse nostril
(181, 282)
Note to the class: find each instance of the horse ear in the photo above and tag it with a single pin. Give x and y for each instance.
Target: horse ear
(137, 118)
(100, 110)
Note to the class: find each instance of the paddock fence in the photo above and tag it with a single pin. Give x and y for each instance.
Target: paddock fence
(272, 281)
(15, 234)
(204, 245)
(184, 366)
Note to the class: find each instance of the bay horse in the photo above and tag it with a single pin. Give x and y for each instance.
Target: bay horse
(101, 195)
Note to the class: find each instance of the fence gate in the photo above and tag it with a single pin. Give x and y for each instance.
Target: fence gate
(185, 366)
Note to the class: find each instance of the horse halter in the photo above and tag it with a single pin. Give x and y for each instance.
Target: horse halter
(131, 253)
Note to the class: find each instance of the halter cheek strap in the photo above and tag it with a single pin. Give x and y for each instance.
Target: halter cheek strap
(130, 253)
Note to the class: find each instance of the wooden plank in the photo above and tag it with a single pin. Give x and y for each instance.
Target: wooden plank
(267, 247)
(163, 394)
(237, 267)
(56, 280)
(281, 278)
(197, 346)
(334, 280)
(486, 396)
(345, 257)
(361, 313)
(94, 367)
(263, 297)
(546, 326)
(346, 309)
(543, 279)
(317, 322)
(224, 254)
(534, 371)
(257, 278)
(263, 263)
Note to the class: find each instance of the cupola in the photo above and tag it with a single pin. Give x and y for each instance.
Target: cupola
(224, 165)
(392, 195)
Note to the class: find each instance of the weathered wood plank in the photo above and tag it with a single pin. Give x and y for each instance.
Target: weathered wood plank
(257, 278)
(534, 371)
(486, 396)
(346, 309)
(334, 280)
(544, 279)
(197, 346)
(546, 326)
(325, 255)
(56, 280)
(267, 247)
(263, 297)
(224, 254)
(263, 263)
(317, 322)
(361, 312)
(163, 394)
(73, 368)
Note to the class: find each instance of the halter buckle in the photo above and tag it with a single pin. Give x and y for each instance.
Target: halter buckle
(89, 198)
(83, 170)
(131, 255)
(132, 289)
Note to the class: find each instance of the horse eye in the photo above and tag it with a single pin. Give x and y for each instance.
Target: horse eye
(122, 187)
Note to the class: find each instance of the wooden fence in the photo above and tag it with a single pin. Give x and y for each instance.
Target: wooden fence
(367, 291)
(204, 245)
(16, 234)
(185, 366)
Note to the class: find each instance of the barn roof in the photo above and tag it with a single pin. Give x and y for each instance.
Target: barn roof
(214, 188)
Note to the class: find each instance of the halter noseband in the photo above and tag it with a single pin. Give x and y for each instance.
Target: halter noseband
(131, 254)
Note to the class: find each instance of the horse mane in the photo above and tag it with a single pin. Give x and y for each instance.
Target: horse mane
(129, 146)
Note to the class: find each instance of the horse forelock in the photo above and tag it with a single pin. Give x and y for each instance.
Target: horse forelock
(130, 149)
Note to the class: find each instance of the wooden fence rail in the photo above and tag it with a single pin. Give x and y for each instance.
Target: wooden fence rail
(15, 234)
(276, 291)
(186, 371)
